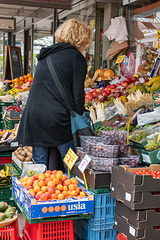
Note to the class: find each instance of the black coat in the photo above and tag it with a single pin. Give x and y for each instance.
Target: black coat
(45, 121)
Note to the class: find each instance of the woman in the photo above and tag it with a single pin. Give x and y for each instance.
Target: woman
(46, 122)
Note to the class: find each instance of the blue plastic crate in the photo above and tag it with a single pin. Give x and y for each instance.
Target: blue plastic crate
(84, 231)
(101, 224)
(104, 206)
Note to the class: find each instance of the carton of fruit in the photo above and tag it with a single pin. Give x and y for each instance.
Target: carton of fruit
(137, 188)
(42, 208)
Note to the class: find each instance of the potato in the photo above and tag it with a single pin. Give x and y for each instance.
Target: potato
(19, 149)
(23, 153)
(29, 154)
(29, 149)
(28, 159)
(21, 158)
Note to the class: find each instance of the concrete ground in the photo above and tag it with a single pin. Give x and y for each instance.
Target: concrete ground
(21, 223)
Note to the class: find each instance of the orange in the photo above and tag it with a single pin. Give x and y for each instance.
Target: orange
(65, 193)
(82, 194)
(41, 177)
(60, 196)
(29, 75)
(30, 79)
(71, 187)
(65, 188)
(64, 178)
(58, 192)
(56, 181)
(59, 175)
(22, 78)
(78, 190)
(54, 196)
(51, 184)
(37, 189)
(25, 76)
(74, 193)
(47, 175)
(42, 183)
(60, 187)
(67, 182)
(44, 189)
(48, 180)
(55, 172)
(74, 181)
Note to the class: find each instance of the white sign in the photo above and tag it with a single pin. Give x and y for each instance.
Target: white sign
(14, 144)
(84, 163)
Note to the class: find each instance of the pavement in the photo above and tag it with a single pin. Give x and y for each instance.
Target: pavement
(21, 223)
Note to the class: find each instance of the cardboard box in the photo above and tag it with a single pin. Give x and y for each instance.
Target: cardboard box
(95, 179)
(138, 219)
(55, 208)
(122, 226)
(116, 118)
(135, 191)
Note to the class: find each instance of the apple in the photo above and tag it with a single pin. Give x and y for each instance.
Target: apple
(117, 94)
(128, 80)
(113, 86)
(134, 79)
(37, 197)
(95, 94)
(29, 187)
(108, 92)
(51, 190)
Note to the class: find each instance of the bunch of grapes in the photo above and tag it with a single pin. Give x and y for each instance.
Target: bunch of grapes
(153, 144)
(139, 135)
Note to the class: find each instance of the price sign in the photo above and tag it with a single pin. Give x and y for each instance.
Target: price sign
(84, 163)
(157, 45)
(120, 59)
(70, 158)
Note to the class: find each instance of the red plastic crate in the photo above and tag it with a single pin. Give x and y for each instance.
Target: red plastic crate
(59, 230)
(10, 232)
(25, 235)
(5, 160)
(121, 237)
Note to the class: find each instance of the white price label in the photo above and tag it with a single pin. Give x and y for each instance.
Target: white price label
(146, 158)
(84, 163)
(132, 231)
(14, 144)
(128, 196)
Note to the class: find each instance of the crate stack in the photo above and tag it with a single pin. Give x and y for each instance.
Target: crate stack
(10, 124)
(137, 212)
(100, 226)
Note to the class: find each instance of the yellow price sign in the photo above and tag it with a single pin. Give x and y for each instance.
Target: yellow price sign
(157, 44)
(120, 59)
(70, 158)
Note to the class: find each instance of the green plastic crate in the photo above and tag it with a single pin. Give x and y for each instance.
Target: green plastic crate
(17, 167)
(50, 219)
(6, 104)
(10, 124)
(5, 193)
(6, 154)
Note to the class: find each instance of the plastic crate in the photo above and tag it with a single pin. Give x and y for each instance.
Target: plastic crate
(6, 154)
(84, 231)
(121, 237)
(5, 193)
(25, 235)
(60, 230)
(104, 207)
(17, 167)
(6, 159)
(10, 232)
(10, 124)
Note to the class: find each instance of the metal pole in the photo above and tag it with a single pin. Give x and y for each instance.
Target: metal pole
(55, 24)
(3, 51)
(9, 38)
(32, 45)
(24, 50)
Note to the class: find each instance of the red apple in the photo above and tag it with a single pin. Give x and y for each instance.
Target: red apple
(37, 197)
(113, 86)
(95, 94)
(108, 92)
(128, 80)
(117, 94)
(134, 79)
(29, 187)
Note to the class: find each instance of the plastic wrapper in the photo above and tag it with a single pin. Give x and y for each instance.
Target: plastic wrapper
(131, 161)
(150, 117)
(123, 151)
(114, 137)
(40, 168)
(80, 153)
(110, 112)
(102, 150)
(86, 141)
(102, 164)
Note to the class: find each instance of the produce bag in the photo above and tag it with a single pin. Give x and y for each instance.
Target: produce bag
(117, 30)
(150, 117)
(39, 168)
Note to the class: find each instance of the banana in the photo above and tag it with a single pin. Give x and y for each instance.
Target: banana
(152, 80)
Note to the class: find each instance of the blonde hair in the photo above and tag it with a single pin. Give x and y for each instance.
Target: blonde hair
(74, 32)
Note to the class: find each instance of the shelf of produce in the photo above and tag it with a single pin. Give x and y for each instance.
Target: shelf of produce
(49, 219)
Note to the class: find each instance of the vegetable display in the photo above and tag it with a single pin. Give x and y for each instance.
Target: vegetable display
(24, 154)
(6, 211)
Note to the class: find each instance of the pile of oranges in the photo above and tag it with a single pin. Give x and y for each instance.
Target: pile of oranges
(52, 185)
(22, 80)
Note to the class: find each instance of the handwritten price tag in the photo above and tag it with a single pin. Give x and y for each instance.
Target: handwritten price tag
(70, 158)
(120, 59)
(84, 163)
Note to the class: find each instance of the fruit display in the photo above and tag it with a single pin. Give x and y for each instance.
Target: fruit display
(6, 211)
(52, 185)
(154, 174)
(102, 164)
(138, 135)
(153, 84)
(103, 75)
(24, 154)
(147, 61)
(97, 113)
(153, 144)
(103, 150)
(2, 173)
(114, 137)
(7, 135)
(135, 101)
(31, 173)
(131, 161)
(14, 108)
(22, 80)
